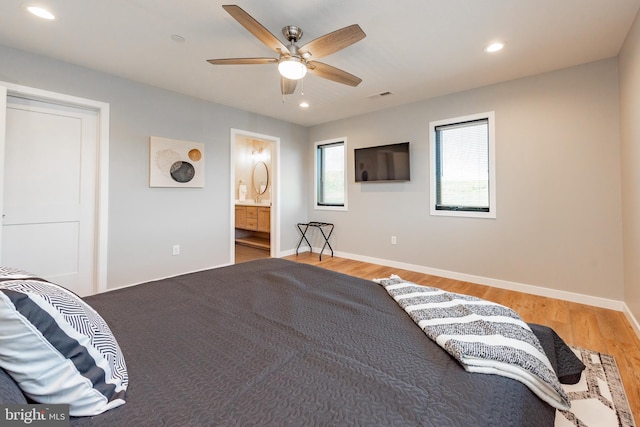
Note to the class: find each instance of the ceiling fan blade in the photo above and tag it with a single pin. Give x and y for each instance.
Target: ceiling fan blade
(287, 86)
(325, 71)
(255, 28)
(241, 61)
(333, 42)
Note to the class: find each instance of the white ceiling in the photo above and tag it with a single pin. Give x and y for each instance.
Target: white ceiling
(415, 49)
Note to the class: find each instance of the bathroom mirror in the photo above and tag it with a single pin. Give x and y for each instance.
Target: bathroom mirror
(260, 177)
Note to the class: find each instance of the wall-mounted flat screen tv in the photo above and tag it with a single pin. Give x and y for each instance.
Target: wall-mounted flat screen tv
(382, 163)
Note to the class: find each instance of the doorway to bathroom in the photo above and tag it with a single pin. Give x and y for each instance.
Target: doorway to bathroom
(254, 196)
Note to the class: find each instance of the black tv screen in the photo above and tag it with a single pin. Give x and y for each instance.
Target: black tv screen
(382, 163)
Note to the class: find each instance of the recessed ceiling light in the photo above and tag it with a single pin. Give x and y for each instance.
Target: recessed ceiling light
(494, 47)
(304, 104)
(41, 12)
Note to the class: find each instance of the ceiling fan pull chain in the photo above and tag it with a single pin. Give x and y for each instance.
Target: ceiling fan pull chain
(302, 87)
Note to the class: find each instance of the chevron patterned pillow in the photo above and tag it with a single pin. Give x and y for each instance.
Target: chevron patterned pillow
(57, 348)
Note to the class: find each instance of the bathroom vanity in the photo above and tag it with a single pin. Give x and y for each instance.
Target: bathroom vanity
(253, 224)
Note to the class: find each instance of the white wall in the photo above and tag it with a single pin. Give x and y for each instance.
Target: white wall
(629, 65)
(145, 222)
(559, 220)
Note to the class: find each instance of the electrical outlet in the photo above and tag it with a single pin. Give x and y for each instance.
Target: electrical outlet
(176, 249)
(394, 240)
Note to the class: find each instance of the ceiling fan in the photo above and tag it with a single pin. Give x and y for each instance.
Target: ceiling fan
(293, 61)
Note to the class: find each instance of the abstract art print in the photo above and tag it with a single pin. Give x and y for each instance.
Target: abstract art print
(174, 163)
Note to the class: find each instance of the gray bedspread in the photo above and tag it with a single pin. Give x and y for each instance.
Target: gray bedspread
(275, 343)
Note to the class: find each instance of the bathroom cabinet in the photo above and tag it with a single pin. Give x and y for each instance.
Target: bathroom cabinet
(253, 225)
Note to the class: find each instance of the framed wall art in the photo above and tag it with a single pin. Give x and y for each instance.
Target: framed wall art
(175, 163)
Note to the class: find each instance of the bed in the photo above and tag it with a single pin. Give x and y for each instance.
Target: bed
(273, 342)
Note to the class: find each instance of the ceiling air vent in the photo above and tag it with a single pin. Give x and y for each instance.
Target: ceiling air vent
(379, 95)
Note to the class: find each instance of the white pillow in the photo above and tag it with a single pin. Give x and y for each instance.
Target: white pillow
(57, 348)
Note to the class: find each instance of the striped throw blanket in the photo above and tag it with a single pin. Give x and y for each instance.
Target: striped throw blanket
(483, 336)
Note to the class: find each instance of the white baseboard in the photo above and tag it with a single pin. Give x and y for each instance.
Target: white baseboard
(165, 277)
(632, 320)
(502, 284)
(497, 283)
(292, 252)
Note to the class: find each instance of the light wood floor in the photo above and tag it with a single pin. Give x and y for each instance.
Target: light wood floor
(598, 329)
(247, 253)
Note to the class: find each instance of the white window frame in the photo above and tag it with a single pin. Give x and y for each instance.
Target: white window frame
(315, 174)
(490, 116)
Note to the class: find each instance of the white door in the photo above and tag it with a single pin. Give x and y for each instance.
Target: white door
(50, 192)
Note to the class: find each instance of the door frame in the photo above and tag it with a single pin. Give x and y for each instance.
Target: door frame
(102, 164)
(274, 237)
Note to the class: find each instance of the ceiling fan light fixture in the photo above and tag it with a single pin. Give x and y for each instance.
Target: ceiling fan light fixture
(41, 12)
(292, 68)
(494, 47)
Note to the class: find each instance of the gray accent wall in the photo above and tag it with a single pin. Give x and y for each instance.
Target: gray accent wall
(559, 217)
(629, 66)
(144, 223)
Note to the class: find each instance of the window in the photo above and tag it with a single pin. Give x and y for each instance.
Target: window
(331, 182)
(462, 154)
